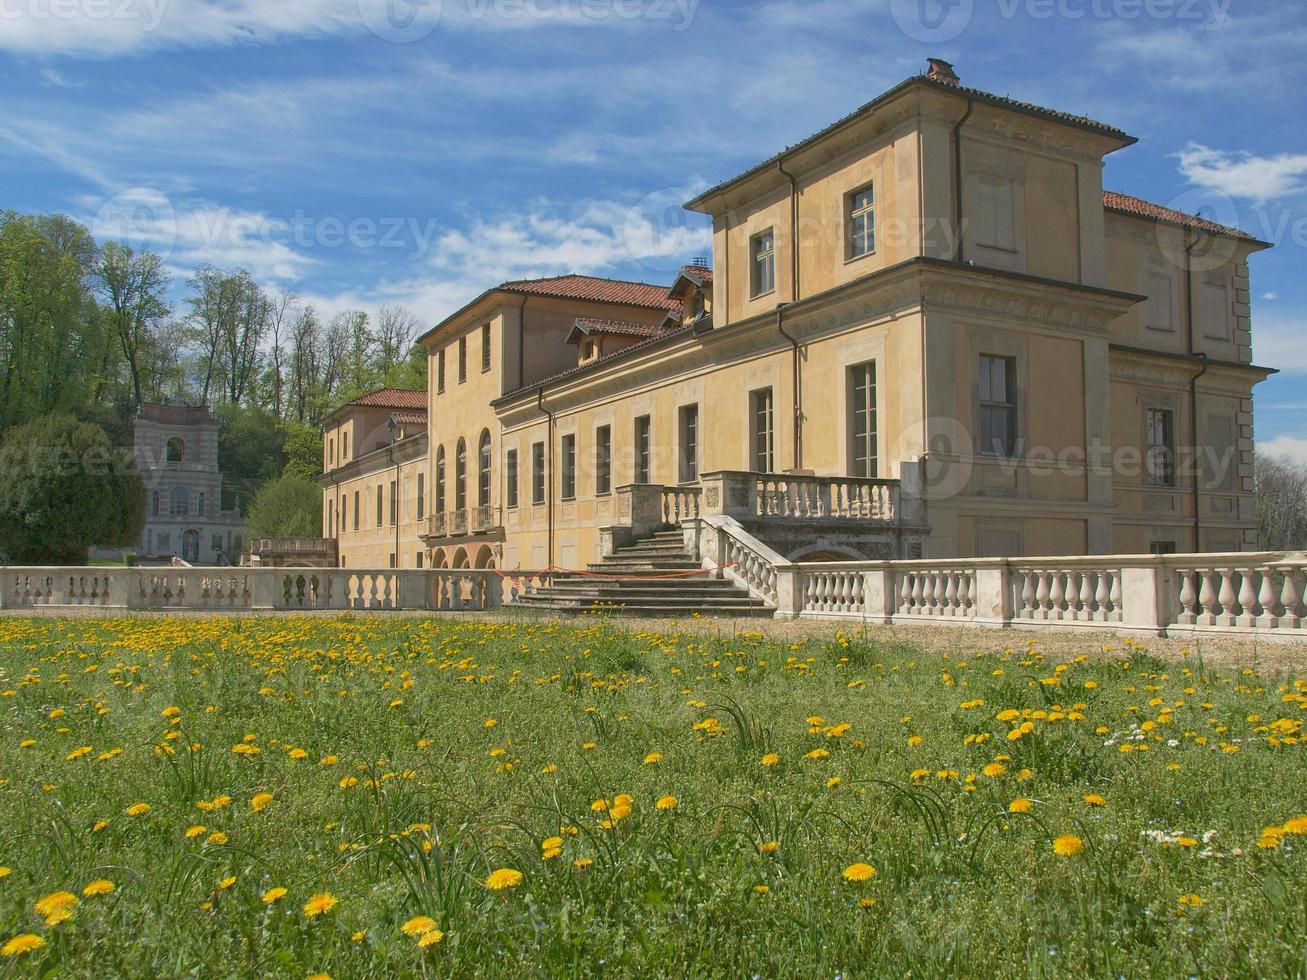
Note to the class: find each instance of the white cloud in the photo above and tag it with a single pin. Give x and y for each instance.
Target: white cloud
(1270, 297)
(113, 28)
(1294, 447)
(1278, 342)
(1243, 174)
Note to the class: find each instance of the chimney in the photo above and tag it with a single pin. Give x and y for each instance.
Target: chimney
(942, 71)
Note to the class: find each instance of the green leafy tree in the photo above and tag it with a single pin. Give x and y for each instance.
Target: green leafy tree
(288, 507)
(65, 488)
(303, 449)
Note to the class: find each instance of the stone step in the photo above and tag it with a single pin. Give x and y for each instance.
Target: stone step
(653, 612)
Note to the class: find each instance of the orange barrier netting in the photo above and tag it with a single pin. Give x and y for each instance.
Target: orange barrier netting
(616, 575)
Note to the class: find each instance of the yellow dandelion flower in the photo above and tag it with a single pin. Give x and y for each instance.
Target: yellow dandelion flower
(1020, 805)
(1094, 799)
(653, 758)
(273, 895)
(101, 886)
(5, 871)
(503, 878)
(818, 754)
(260, 802)
(226, 883)
(1068, 845)
(138, 809)
(859, 872)
(771, 758)
(320, 904)
(1296, 826)
(582, 863)
(993, 770)
(217, 838)
(26, 942)
(430, 938)
(769, 847)
(1191, 900)
(55, 902)
(761, 889)
(99, 825)
(668, 802)
(866, 903)
(833, 782)
(196, 830)
(1187, 842)
(418, 925)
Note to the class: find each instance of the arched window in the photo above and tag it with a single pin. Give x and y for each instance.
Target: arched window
(460, 476)
(440, 480)
(483, 470)
(176, 450)
(179, 502)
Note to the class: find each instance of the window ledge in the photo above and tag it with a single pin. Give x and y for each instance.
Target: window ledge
(849, 260)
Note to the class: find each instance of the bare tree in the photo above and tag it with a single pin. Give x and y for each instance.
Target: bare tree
(1281, 503)
(396, 328)
(133, 285)
(281, 313)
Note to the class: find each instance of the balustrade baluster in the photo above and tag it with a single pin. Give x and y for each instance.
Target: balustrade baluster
(1247, 599)
(1267, 598)
(1227, 596)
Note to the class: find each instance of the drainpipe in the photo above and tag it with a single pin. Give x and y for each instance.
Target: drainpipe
(957, 178)
(796, 367)
(1193, 382)
(796, 384)
(390, 455)
(549, 471)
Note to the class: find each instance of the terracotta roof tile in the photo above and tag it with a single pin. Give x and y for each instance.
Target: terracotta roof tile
(599, 290)
(1137, 206)
(621, 328)
(392, 398)
(410, 418)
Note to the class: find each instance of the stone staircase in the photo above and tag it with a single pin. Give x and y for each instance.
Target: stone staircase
(642, 580)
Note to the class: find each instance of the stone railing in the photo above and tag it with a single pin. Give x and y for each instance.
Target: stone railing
(680, 504)
(1174, 595)
(322, 546)
(261, 589)
(788, 497)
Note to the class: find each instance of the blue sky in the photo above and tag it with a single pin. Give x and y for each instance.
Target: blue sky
(367, 152)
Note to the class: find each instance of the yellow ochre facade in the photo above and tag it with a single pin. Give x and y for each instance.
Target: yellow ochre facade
(1071, 374)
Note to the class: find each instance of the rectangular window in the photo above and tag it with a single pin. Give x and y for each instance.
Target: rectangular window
(1157, 312)
(358, 517)
(331, 451)
(1215, 312)
(762, 432)
(440, 370)
(394, 502)
(568, 485)
(462, 359)
(762, 251)
(422, 496)
(603, 460)
(510, 476)
(862, 222)
(485, 348)
(641, 468)
(1220, 455)
(689, 429)
(392, 559)
(997, 213)
(344, 446)
(1161, 548)
(1160, 457)
(380, 502)
(862, 420)
(344, 514)
(538, 473)
(417, 560)
(998, 406)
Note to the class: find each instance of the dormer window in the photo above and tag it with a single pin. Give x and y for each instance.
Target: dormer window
(589, 350)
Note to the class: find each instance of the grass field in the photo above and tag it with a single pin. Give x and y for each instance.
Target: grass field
(373, 797)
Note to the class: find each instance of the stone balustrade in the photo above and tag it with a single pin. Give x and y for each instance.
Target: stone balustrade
(1171, 595)
(774, 496)
(263, 589)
